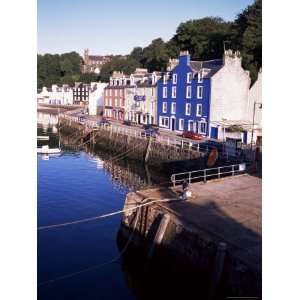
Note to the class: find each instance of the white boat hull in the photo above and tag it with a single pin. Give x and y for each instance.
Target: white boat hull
(47, 150)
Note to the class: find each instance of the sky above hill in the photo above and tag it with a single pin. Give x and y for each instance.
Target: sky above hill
(117, 26)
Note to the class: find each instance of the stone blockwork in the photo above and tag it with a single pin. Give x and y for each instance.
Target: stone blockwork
(129, 146)
(187, 249)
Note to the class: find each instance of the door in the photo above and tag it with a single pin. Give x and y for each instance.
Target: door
(173, 125)
(245, 137)
(214, 132)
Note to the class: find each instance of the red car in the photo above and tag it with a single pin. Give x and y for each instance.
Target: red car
(192, 135)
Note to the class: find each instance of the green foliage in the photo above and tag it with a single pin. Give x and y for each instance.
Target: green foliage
(118, 63)
(137, 54)
(247, 35)
(155, 56)
(58, 69)
(203, 38)
(89, 77)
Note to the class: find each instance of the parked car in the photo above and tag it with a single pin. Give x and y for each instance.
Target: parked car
(127, 122)
(150, 132)
(81, 119)
(149, 126)
(192, 135)
(104, 122)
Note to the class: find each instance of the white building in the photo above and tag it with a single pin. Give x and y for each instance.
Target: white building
(56, 95)
(254, 108)
(229, 99)
(96, 98)
(138, 92)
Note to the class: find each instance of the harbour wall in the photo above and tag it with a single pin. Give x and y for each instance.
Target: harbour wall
(188, 251)
(121, 145)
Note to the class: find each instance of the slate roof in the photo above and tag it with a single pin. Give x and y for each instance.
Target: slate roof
(213, 66)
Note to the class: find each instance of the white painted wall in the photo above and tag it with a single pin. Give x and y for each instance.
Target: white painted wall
(229, 91)
(96, 98)
(255, 96)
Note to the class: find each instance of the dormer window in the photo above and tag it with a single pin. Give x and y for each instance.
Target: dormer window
(165, 79)
(200, 77)
(189, 77)
(174, 77)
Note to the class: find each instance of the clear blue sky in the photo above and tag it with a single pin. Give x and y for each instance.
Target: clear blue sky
(116, 26)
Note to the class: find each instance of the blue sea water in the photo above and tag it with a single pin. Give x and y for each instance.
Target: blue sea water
(74, 186)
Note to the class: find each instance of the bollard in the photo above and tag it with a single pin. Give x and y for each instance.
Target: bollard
(159, 234)
(217, 270)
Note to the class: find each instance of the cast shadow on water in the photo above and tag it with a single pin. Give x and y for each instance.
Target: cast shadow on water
(183, 266)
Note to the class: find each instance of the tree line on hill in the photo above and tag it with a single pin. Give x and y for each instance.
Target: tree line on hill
(204, 38)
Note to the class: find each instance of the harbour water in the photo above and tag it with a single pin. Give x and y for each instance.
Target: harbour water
(71, 186)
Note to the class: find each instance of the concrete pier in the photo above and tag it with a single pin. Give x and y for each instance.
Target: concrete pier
(225, 211)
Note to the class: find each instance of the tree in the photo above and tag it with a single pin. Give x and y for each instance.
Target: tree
(137, 54)
(203, 38)
(155, 56)
(118, 63)
(247, 36)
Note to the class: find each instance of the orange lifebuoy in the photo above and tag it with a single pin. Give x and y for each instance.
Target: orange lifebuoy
(212, 157)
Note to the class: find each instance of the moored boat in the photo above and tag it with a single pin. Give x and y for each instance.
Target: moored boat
(46, 150)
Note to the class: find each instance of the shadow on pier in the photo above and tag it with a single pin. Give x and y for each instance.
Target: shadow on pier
(185, 265)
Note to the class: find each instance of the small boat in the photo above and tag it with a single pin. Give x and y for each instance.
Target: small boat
(43, 138)
(46, 150)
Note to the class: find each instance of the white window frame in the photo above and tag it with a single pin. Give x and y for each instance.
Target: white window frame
(200, 77)
(161, 118)
(186, 109)
(181, 124)
(199, 94)
(174, 78)
(165, 79)
(189, 76)
(197, 110)
(173, 108)
(191, 122)
(165, 92)
(164, 107)
(173, 91)
(199, 127)
(188, 89)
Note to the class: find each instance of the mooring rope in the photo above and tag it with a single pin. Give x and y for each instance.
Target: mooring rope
(105, 215)
(94, 267)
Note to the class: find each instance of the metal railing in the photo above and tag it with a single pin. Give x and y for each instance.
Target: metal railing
(176, 142)
(205, 174)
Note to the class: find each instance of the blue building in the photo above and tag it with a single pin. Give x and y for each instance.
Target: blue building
(183, 95)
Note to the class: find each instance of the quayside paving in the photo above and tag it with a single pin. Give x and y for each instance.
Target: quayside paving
(226, 210)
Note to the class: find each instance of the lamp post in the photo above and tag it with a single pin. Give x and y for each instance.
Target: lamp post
(260, 106)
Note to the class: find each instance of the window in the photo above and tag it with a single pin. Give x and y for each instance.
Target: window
(164, 122)
(110, 92)
(188, 109)
(165, 92)
(189, 77)
(191, 125)
(199, 92)
(188, 91)
(173, 108)
(174, 78)
(181, 124)
(202, 127)
(199, 110)
(165, 79)
(200, 77)
(152, 91)
(173, 91)
(164, 107)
